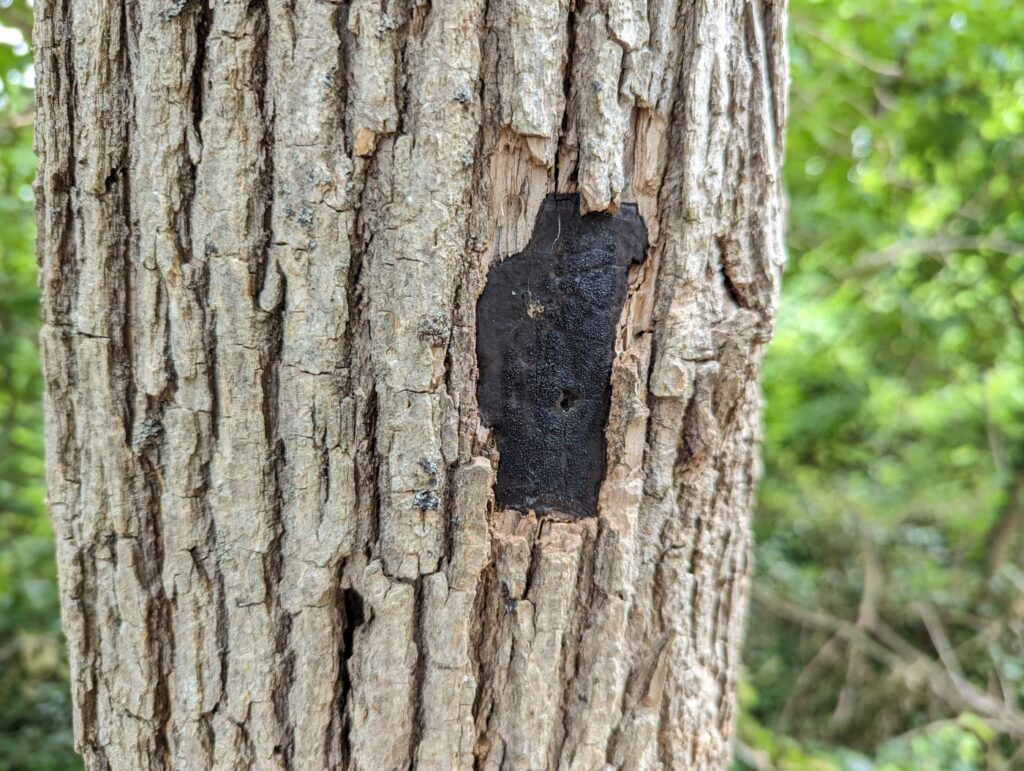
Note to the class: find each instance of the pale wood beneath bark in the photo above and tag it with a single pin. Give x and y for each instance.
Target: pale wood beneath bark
(263, 228)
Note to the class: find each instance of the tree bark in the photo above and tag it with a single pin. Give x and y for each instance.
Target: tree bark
(263, 227)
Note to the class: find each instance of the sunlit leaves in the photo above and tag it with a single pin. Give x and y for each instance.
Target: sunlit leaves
(894, 419)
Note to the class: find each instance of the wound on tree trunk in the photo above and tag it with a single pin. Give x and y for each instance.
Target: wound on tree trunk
(545, 332)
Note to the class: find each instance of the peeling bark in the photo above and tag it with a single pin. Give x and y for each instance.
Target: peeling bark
(263, 230)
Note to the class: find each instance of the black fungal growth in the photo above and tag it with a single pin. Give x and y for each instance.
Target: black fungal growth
(545, 340)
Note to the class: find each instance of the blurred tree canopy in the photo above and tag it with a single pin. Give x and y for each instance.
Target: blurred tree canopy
(888, 610)
(887, 614)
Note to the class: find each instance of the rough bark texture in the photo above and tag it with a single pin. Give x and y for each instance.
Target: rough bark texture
(263, 230)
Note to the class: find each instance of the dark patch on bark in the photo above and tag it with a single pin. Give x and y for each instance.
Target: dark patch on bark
(352, 613)
(546, 327)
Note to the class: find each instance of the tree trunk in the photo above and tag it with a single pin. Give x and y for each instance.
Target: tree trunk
(263, 229)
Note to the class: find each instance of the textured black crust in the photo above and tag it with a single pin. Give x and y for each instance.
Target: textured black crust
(545, 333)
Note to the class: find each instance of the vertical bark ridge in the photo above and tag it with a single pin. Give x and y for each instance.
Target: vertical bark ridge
(271, 488)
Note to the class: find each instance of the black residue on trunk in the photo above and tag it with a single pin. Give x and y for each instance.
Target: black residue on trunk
(546, 327)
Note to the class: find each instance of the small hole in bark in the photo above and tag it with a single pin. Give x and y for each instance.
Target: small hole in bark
(568, 400)
(352, 604)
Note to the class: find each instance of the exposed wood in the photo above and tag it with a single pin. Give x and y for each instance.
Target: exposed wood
(263, 230)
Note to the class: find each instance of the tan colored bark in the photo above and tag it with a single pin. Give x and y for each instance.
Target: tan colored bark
(263, 228)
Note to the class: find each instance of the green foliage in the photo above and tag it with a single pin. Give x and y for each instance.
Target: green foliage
(894, 387)
(35, 712)
(960, 744)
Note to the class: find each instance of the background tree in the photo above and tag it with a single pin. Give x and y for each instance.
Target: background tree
(262, 230)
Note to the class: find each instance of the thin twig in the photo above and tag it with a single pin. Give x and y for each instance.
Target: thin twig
(934, 245)
(939, 638)
(867, 61)
(885, 645)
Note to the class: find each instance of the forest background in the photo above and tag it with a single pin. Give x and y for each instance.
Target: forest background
(887, 616)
